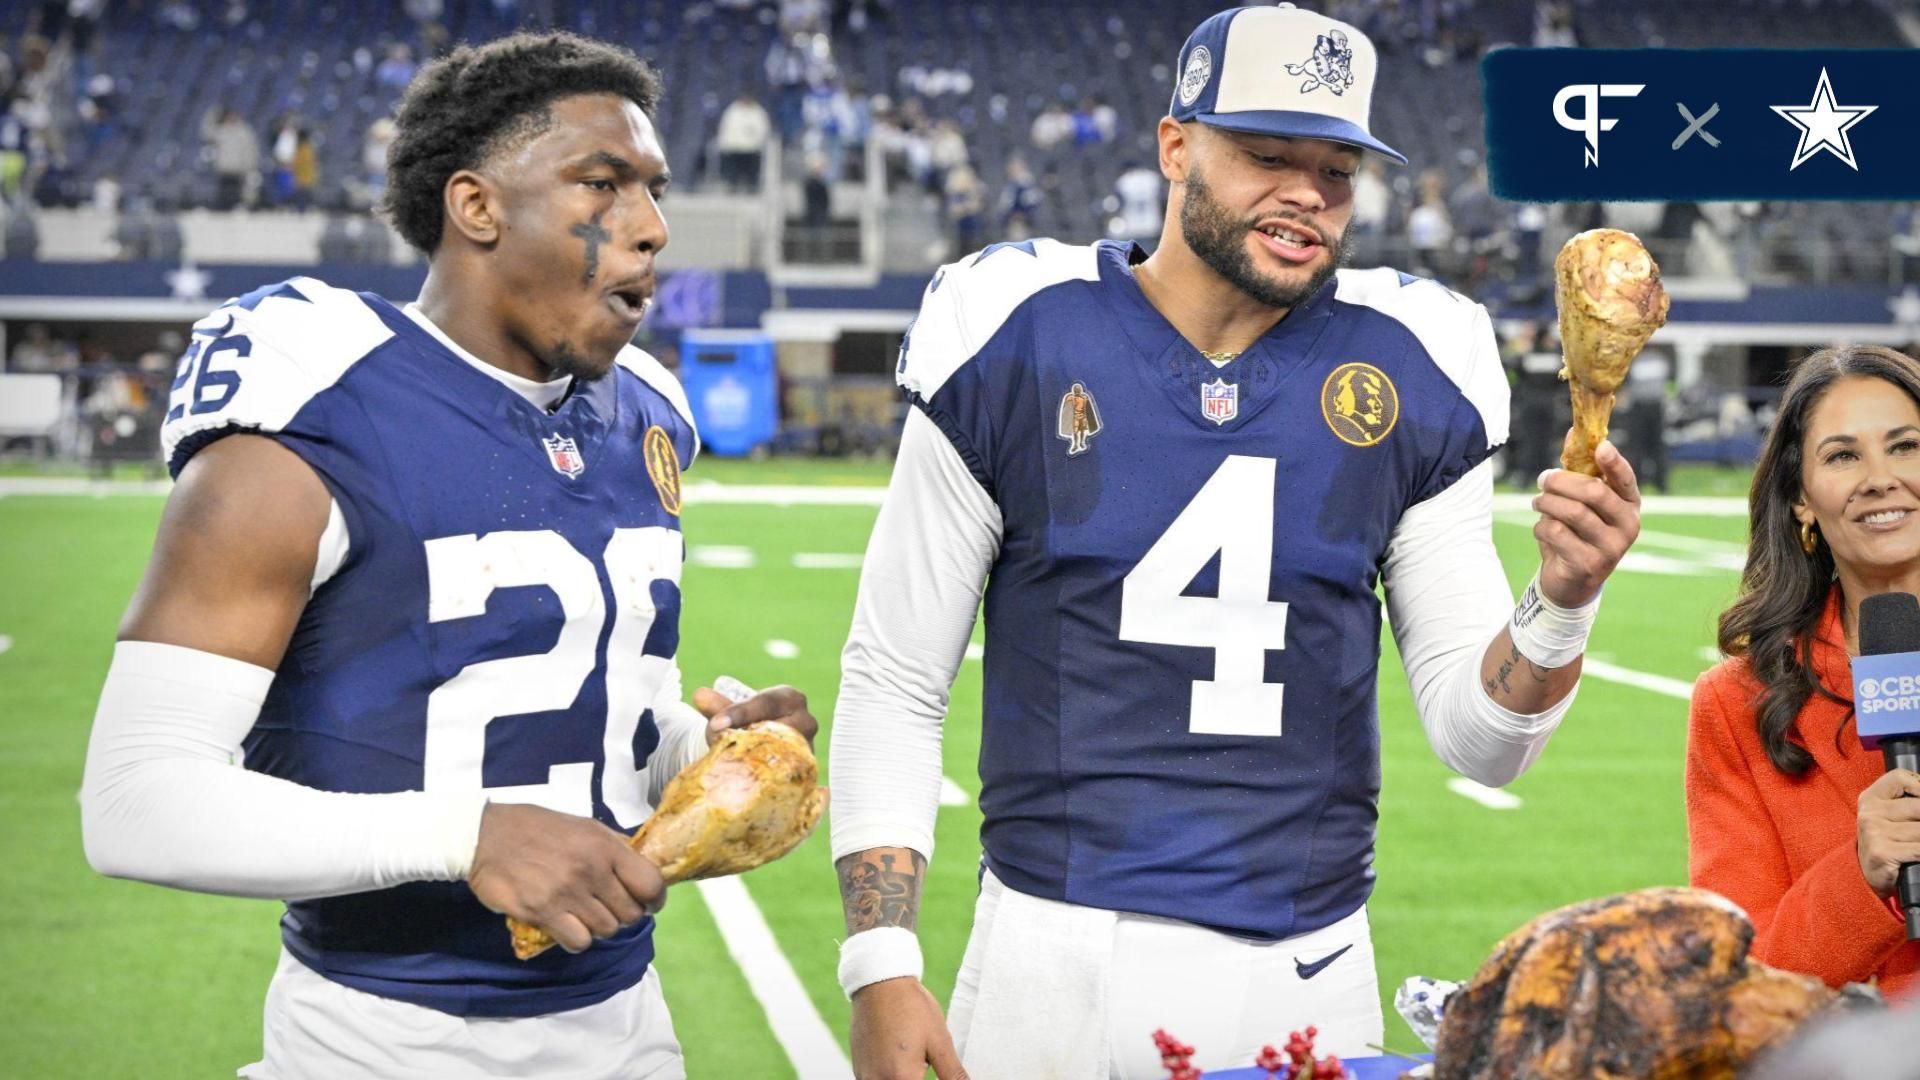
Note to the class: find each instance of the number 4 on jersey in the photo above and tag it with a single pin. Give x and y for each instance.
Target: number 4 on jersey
(1232, 515)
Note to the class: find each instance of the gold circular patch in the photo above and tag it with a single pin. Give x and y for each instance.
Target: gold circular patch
(1360, 404)
(663, 465)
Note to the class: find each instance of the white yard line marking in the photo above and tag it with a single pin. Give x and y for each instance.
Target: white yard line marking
(1710, 653)
(809, 495)
(76, 485)
(810, 1045)
(826, 560)
(976, 651)
(6, 643)
(1698, 545)
(782, 649)
(1693, 505)
(951, 793)
(1659, 684)
(785, 495)
(1646, 562)
(1491, 798)
(1657, 552)
(721, 556)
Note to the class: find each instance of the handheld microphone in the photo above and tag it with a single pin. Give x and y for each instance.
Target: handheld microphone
(1886, 697)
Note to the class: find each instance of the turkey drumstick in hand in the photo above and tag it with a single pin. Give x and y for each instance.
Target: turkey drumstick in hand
(749, 801)
(1610, 299)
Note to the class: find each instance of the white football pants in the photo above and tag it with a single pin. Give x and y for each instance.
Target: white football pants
(317, 1029)
(1056, 991)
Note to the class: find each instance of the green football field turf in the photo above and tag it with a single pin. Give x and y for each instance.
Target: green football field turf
(109, 978)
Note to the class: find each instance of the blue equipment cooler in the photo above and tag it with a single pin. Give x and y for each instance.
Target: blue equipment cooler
(730, 382)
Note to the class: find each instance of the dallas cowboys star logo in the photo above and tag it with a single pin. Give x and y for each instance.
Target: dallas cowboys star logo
(1823, 125)
(1906, 307)
(189, 282)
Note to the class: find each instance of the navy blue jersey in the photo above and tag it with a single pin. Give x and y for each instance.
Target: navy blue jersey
(507, 609)
(1182, 626)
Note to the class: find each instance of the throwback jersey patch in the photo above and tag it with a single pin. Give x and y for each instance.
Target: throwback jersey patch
(663, 467)
(1360, 404)
(1079, 419)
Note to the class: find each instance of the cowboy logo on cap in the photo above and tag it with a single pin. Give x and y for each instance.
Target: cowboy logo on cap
(1228, 80)
(1331, 64)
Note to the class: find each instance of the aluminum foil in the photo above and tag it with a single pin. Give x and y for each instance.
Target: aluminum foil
(1421, 1002)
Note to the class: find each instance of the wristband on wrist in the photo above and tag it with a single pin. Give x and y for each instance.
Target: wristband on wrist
(871, 956)
(1548, 634)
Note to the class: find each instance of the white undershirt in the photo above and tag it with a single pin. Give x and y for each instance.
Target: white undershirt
(545, 395)
(926, 567)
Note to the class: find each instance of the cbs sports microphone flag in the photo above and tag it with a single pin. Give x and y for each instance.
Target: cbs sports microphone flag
(1702, 124)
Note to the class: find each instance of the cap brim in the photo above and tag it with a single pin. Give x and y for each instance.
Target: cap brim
(1301, 125)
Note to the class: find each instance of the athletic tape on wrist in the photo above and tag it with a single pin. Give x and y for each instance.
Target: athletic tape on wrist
(871, 956)
(1548, 634)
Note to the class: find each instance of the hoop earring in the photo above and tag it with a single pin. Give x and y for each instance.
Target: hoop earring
(1807, 541)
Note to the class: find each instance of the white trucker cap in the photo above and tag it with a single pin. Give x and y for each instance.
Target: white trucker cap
(1280, 71)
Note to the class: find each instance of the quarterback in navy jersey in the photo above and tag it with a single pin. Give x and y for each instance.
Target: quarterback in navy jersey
(1175, 482)
(420, 575)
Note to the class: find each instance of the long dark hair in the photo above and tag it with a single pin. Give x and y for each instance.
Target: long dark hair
(1784, 590)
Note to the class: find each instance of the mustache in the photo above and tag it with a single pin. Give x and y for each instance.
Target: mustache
(1330, 237)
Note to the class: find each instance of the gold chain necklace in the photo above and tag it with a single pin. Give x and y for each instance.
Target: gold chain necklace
(1220, 359)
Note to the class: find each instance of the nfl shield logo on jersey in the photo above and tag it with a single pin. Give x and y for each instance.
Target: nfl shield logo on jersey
(1219, 400)
(565, 456)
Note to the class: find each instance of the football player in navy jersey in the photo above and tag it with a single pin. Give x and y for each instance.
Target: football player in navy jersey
(1175, 482)
(420, 576)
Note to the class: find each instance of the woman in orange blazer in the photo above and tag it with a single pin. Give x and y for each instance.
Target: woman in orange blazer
(1787, 814)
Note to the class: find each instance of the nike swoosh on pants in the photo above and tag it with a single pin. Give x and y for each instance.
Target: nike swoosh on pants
(1308, 971)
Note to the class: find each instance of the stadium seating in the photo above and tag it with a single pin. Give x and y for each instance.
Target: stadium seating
(321, 62)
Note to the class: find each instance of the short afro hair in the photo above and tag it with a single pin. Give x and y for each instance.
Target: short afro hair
(471, 103)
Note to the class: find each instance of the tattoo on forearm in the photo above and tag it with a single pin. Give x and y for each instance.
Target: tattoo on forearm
(594, 235)
(1499, 682)
(879, 892)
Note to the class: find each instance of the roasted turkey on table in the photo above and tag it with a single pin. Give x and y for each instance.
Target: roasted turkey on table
(1649, 985)
(751, 800)
(1610, 299)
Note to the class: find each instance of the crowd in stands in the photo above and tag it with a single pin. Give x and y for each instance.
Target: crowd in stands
(110, 405)
(278, 105)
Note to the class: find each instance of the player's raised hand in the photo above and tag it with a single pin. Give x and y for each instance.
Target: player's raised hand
(1586, 525)
(898, 1031)
(781, 704)
(571, 876)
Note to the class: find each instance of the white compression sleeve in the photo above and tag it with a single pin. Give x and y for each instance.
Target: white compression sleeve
(162, 800)
(683, 736)
(1447, 598)
(926, 563)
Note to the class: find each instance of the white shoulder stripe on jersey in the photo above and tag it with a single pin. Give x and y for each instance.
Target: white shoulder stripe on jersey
(1455, 332)
(968, 301)
(297, 341)
(655, 374)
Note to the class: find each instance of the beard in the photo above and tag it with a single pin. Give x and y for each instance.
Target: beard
(582, 353)
(564, 358)
(1220, 240)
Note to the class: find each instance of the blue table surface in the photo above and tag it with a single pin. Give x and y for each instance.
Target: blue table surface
(1366, 1068)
